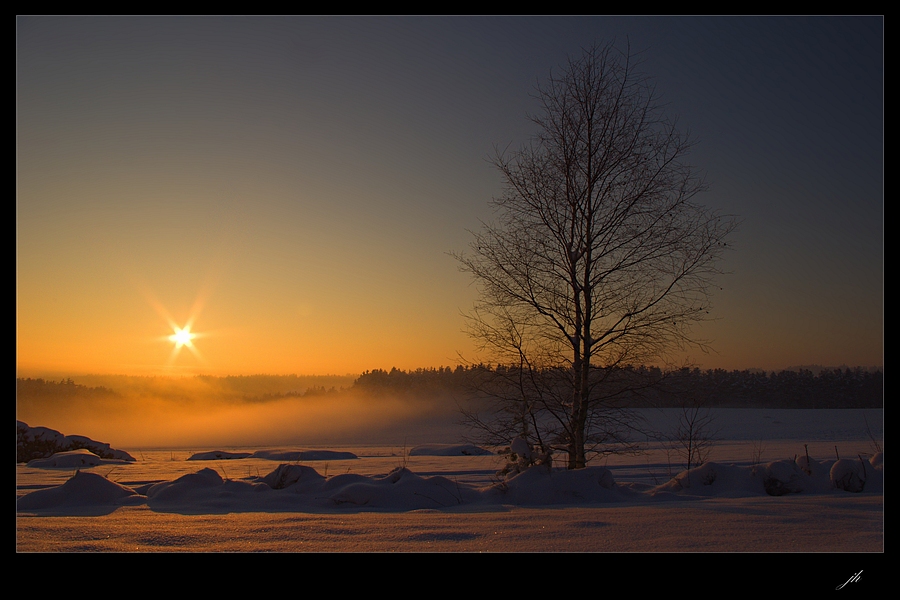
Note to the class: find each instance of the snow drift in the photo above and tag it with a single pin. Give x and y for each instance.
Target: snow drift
(83, 493)
(299, 488)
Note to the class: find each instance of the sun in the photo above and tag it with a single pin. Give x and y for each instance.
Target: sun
(182, 337)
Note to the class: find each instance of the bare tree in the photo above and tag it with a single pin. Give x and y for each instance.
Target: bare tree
(598, 258)
(694, 436)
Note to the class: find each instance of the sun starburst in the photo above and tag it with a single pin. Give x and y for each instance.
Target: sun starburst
(182, 337)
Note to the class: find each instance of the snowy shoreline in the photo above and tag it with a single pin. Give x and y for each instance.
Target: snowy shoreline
(456, 503)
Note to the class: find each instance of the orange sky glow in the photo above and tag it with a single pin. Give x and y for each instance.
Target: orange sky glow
(289, 189)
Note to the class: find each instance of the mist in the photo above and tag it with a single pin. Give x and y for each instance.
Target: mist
(198, 413)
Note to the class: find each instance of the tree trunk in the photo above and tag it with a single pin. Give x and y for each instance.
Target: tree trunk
(578, 421)
(576, 447)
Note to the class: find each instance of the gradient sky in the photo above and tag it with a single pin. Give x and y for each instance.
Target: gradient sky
(292, 186)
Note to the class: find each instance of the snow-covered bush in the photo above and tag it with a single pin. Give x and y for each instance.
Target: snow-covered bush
(783, 477)
(849, 475)
(706, 474)
(287, 475)
(877, 459)
(521, 456)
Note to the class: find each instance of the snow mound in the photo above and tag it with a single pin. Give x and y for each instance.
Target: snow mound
(777, 478)
(713, 479)
(449, 450)
(83, 490)
(184, 485)
(299, 488)
(294, 487)
(401, 489)
(539, 485)
(203, 492)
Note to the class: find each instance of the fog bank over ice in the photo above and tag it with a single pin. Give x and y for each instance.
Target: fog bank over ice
(231, 412)
(204, 421)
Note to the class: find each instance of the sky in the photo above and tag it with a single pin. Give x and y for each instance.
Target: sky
(291, 188)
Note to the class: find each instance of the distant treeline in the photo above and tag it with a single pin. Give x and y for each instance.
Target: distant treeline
(652, 387)
(240, 388)
(830, 388)
(66, 388)
(634, 386)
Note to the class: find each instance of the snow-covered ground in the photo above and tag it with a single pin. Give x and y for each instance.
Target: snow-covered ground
(758, 492)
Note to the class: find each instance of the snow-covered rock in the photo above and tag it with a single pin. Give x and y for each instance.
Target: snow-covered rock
(297, 455)
(218, 455)
(281, 455)
(449, 450)
(73, 458)
(42, 442)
